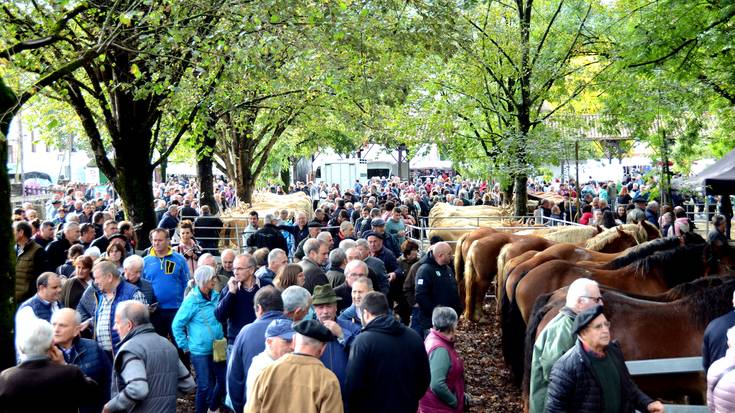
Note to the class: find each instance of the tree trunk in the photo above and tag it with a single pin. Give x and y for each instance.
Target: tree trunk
(162, 169)
(134, 183)
(206, 182)
(286, 177)
(520, 195)
(245, 191)
(8, 108)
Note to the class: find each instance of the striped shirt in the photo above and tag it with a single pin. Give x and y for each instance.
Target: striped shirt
(103, 330)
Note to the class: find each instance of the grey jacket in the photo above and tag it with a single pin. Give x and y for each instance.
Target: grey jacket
(147, 374)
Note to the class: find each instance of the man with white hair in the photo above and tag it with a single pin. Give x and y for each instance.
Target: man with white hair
(133, 268)
(652, 213)
(269, 236)
(84, 353)
(227, 259)
(375, 265)
(714, 345)
(277, 258)
(170, 220)
(299, 230)
(337, 262)
(360, 287)
(558, 337)
(43, 382)
(278, 342)
(147, 370)
(310, 386)
(353, 271)
(296, 303)
(58, 249)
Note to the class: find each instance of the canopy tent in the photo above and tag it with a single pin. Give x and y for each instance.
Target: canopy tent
(719, 178)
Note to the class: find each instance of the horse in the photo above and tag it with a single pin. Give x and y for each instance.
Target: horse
(649, 275)
(481, 267)
(666, 325)
(614, 240)
(460, 255)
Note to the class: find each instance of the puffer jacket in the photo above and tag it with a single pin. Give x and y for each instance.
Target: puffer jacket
(721, 384)
(573, 386)
(194, 325)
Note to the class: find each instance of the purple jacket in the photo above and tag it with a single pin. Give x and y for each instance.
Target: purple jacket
(430, 403)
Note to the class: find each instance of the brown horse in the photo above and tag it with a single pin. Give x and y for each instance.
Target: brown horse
(649, 275)
(667, 325)
(460, 255)
(617, 239)
(481, 267)
(519, 266)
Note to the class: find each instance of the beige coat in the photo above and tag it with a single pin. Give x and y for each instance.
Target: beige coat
(295, 383)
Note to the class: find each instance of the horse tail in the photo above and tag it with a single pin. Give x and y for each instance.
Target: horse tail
(512, 327)
(469, 283)
(500, 277)
(459, 261)
(537, 314)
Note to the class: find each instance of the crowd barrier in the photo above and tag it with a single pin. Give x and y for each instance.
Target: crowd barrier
(669, 366)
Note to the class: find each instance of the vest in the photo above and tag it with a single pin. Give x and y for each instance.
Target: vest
(125, 291)
(25, 272)
(430, 403)
(161, 368)
(40, 309)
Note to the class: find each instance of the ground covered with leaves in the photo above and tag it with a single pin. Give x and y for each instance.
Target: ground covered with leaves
(486, 377)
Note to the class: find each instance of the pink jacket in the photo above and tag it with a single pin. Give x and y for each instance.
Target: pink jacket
(721, 384)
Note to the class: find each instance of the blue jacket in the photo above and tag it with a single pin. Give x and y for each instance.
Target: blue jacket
(248, 344)
(194, 325)
(714, 344)
(125, 291)
(169, 222)
(391, 263)
(350, 315)
(337, 352)
(168, 275)
(92, 360)
(237, 309)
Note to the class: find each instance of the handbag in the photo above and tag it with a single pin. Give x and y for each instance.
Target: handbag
(219, 346)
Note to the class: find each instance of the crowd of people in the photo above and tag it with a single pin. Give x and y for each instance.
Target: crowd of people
(306, 317)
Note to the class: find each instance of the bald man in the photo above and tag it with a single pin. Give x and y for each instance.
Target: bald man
(83, 353)
(435, 284)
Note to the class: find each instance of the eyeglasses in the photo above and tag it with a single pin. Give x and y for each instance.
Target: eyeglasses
(597, 300)
(242, 268)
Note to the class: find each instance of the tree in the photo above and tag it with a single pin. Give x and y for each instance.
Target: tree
(509, 67)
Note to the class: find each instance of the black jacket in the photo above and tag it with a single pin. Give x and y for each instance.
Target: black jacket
(269, 237)
(714, 344)
(574, 388)
(435, 285)
(57, 251)
(313, 274)
(390, 359)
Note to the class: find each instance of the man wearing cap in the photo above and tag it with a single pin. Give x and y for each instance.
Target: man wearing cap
(278, 342)
(394, 272)
(378, 227)
(592, 376)
(337, 352)
(314, 228)
(557, 337)
(309, 386)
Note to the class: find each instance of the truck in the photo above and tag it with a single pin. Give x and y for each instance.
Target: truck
(343, 172)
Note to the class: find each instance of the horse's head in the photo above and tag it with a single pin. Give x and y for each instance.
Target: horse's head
(648, 230)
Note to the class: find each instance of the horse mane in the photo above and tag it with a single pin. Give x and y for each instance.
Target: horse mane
(608, 236)
(694, 287)
(650, 229)
(638, 252)
(709, 303)
(573, 234)
(678, 265)
(692, 238)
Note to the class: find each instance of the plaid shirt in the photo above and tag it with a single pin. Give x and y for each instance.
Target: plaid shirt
(103, 330)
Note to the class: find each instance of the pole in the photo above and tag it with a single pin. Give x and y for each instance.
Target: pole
(576, 163)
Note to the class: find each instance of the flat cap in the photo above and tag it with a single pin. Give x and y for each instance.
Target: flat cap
(315, 330)
(373, 234)
(377, 222)
(585, 317)
(314, 224)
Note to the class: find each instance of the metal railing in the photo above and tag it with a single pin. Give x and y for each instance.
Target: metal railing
(669, 366)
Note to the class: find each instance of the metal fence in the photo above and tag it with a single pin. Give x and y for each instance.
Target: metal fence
(669, 366)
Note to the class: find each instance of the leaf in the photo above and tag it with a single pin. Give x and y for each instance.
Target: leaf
(135, 71)
(275, 19)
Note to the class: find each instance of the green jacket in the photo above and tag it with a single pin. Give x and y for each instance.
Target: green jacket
(553, 342)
